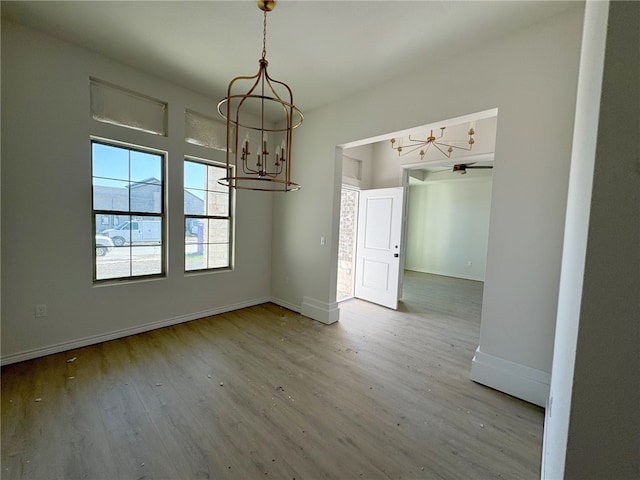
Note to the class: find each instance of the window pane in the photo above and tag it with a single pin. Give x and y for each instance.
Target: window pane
(206, 256)
(148, 231)
(146, 259)
(217, 256)
(194, 247)
(146, 167)
(217, 204)
(217, 231)
(214, 174)
(103, 249)
(146, 197)
(191, 226)
(193, 202)
(194, 175)
(110, 162)
(106, 222)
(110, 194)
(112, 266)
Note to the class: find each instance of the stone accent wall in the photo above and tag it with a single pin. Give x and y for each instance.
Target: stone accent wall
(347, 242)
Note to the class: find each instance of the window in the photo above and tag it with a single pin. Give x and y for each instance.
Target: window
(207, 217)
(128, 212)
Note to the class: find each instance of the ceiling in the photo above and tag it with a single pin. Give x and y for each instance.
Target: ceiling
(325, 50)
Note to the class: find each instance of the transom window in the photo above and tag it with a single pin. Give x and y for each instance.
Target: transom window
(207, 216)
(128, 212)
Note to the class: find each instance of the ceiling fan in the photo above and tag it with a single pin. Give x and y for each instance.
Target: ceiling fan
(462, 168)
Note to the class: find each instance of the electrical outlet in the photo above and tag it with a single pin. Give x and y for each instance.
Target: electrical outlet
(41, 311)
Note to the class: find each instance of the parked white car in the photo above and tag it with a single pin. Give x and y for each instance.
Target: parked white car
(103, 245)
(136, 231)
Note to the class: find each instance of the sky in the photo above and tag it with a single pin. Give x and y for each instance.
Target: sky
(115, 167)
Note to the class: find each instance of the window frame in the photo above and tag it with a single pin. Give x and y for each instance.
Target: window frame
(229, 217)
(130, 215)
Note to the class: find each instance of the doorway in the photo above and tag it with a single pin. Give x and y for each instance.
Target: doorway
(458, 199)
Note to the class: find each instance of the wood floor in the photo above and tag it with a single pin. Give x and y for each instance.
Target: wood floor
(266, 393)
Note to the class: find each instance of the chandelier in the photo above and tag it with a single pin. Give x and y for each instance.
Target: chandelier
(445, 147)
(261, 118)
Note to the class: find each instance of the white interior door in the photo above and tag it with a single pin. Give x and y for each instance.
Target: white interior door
(378, 254)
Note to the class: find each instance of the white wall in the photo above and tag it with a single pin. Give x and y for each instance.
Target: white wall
(448, 224)
(592, 425)
(46, 199)
(360, 159)
(531, 78)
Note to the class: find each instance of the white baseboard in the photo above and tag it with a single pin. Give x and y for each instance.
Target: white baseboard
(287, 305)
(509, 377)
(324, 312)
(447, 274)
(83, 342)
(315, 309)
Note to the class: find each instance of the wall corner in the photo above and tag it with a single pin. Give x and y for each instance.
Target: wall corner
(324, 312)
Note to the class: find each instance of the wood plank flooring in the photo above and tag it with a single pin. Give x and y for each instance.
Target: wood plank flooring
(266, 393)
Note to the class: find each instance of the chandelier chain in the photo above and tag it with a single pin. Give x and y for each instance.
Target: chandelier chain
(264, 36)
